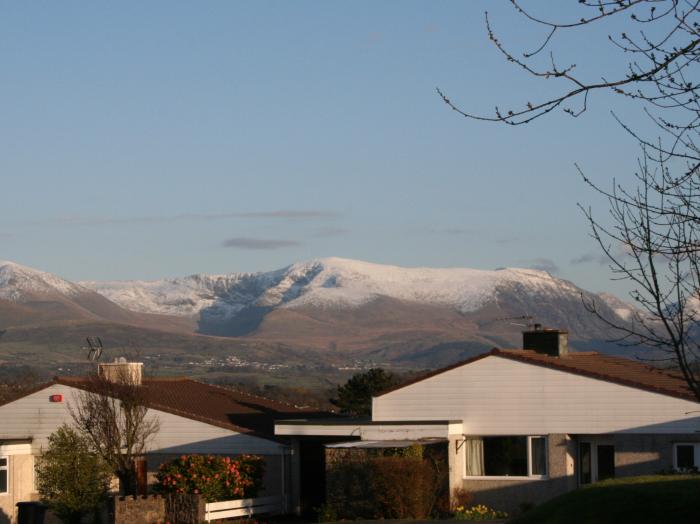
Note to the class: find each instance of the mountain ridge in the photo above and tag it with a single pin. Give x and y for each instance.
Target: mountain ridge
(330, 309)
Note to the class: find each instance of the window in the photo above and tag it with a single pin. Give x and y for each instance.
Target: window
(507, 456)
(4, 481)
(686, 456)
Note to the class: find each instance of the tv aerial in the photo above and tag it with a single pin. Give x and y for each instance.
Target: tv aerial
(94, 348)
(510, 320)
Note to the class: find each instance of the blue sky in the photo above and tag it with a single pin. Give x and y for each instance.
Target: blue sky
(150, 139)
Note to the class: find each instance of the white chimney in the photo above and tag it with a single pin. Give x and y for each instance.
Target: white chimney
(122, 372)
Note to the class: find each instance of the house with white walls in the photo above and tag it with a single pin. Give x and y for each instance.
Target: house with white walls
(194, 418)
(523, 425)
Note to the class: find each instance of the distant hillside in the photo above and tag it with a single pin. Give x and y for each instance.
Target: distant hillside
(354, 305)
(325, 312)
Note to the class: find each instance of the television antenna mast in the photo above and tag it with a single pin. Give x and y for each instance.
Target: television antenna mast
(94, 348)
(528, 318)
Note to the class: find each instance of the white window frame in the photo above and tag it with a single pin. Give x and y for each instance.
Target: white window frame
(529, 475)
(6, 469)
(696, 453)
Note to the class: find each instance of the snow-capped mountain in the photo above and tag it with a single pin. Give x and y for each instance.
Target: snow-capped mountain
(29, 296)
(19, 283)
(332, 306)
(328, 282)
(244, 303)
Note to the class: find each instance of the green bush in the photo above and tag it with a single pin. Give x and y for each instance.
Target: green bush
(70, 478)
(213, 477)
(400, 483)
(403, 487)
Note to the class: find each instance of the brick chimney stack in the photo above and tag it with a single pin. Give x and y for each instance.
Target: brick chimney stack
(552, 342)
(122, 372)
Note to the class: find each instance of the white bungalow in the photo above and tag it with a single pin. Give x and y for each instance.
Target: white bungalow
(194, 418)
(524, 425)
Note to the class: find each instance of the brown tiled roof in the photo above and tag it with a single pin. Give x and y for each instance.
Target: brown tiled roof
(618, 370)
(219, 406)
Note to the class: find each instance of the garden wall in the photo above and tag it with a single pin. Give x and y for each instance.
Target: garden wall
(182, 509)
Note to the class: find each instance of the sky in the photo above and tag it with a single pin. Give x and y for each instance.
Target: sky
(141, 140)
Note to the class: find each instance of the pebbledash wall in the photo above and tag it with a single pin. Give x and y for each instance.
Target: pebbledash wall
(20, 469)
(634, 455)
(509, 494)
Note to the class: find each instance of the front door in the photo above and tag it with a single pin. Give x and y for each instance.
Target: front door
(596, 460)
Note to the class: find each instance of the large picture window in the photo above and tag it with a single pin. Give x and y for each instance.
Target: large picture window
(507, 456)
(4, 475)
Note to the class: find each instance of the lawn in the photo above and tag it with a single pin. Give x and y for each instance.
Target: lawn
(637, 500)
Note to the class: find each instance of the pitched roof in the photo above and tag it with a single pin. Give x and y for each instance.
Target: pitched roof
(618, 370)
(215, 405)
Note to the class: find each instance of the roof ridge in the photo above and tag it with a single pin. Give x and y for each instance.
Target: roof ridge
(233, 389)
(569, 366)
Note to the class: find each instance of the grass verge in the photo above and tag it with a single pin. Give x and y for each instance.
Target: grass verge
(637, 500)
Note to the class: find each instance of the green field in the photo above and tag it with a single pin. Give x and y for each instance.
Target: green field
(654, 499)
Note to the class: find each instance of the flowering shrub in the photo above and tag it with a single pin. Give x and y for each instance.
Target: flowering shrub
(478, 512)
(214, 477)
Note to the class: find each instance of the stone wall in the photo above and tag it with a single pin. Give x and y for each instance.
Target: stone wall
(180, 509)
(184, 509)
(139, 510)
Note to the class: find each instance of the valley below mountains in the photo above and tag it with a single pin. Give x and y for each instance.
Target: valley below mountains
(331, 314)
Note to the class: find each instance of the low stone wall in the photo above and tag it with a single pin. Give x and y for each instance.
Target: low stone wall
(184, 509)
(139, 510)
(153, 509)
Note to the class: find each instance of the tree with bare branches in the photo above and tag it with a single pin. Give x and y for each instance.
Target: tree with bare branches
(651, 238)
(112, 413)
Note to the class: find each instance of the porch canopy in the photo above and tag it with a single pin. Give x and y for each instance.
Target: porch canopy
(368, 430)
(385, 444)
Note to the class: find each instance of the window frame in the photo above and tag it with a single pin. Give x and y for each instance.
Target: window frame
(696, 454)
(529, 476)
(6, 469)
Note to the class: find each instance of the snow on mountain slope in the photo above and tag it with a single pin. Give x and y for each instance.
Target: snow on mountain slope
(622, 309)
(328, 282)
(18, 283)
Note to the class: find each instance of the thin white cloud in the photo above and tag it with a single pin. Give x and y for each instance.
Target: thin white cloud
(258, 243)
(588, 258)
(327, 232)
(542, 264)
(282, 214)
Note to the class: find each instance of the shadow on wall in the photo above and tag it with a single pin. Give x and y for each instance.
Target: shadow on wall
(4, 518)
(512, 495)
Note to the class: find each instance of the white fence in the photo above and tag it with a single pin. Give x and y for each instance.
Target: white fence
(243, 508)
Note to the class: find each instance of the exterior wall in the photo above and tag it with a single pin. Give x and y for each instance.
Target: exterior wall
(508, 494)
(634, 455)
(646, 454)
(499, 396)
(21, 471)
